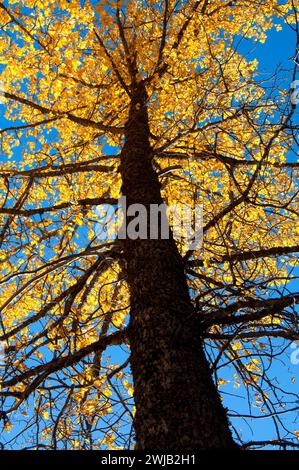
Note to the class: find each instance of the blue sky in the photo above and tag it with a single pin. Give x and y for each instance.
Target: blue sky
(276, 52)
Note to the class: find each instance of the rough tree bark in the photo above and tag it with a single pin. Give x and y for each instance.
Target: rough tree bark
(177, 403)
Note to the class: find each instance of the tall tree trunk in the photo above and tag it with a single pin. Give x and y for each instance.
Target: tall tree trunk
(177, 403)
